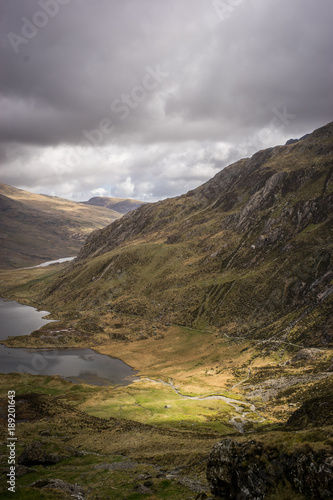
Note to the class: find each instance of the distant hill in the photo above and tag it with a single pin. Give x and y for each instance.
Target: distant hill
(121, 205)
(36, 228)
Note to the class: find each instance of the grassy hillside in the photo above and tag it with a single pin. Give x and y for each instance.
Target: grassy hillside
(248, 253)
(222, 300)
(159, 432)
(36, 228)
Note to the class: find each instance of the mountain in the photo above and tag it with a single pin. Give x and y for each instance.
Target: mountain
(248, 253)
(221, 299)
(36, 228)
(121, 205)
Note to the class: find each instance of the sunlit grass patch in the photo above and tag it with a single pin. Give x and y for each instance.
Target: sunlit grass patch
(159, 406)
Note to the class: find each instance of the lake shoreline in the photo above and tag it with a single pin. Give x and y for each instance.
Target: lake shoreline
(84, 364)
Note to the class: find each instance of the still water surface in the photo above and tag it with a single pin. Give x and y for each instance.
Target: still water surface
(16, 319)
(50, 262)
(76, 365)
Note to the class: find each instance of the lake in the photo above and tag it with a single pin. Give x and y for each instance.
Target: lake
(75, 365)
(16, 319)
(51, 262)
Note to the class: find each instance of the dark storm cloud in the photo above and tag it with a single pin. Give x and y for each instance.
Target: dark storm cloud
(67, 76)
(157, 75)
(268, 55)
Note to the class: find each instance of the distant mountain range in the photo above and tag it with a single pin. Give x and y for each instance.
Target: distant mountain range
(121, 205)
(36, 228)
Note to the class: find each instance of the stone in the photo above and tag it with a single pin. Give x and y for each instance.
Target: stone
(34, 454)
(74, 490)
(248, 471)
(20, 470)
(143, 490)
(306, 354)
(314, 412)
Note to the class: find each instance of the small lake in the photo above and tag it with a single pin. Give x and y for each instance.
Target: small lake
(51, 262)
(16, 319)
(75, 365)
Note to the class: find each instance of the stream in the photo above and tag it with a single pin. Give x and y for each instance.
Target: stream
(238, 421)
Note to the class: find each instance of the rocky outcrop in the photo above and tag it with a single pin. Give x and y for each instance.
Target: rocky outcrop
(250, 471)
(35, 454)
(313, 412)
(73, 490)
(262, 198)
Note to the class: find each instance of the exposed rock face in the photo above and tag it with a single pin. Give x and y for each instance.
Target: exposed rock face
(34, 454)
(132, 224)
(313, 412)
(74, 490)
(248, 471)
(255, 197)
(250, 251)
(250, 186)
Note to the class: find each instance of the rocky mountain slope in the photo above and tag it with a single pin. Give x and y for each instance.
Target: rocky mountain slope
(121, 205)
(248, 253)
(221, 299)
(36, 228)
(254, 469)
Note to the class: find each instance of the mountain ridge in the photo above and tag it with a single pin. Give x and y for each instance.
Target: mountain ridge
(210, 191)
(222, 299)
(262, 224)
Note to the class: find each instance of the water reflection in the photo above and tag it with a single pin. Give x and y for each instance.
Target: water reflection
(76, 365)
(16, 319)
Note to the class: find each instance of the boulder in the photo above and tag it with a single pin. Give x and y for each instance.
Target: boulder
(249, 471)
(34, 454)
(74, 490)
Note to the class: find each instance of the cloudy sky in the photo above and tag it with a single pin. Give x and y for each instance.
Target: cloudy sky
(150, 98)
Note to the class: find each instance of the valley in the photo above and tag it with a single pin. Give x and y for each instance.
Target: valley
(221, 299)
(36, 228)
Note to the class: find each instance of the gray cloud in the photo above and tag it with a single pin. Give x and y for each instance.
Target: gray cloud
(152, 98)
